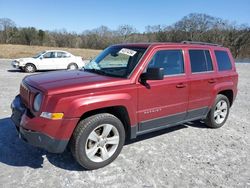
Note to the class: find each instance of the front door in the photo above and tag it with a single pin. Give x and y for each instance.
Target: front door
(47, 62)
(164, 102)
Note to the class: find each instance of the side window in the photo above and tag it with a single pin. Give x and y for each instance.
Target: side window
(62, 55)
(171, 60)
(200, 61)
(49, 55)
(223, 60)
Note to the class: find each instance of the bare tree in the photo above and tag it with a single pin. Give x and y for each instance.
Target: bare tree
(7, 26)
(125, 31)
(195, 26)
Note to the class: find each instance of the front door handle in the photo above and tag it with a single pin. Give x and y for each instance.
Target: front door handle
(211, 81)
(180, 85)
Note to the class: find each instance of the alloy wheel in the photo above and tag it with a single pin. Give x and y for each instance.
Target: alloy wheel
(102, 143)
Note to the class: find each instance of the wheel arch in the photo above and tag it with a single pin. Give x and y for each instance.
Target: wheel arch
(227, 89)
(120, 112)
(118, 104)
(72, 63)
(229, 94)
(30, 63)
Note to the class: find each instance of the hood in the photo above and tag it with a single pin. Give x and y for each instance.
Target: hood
(25, 59)
(68, 81)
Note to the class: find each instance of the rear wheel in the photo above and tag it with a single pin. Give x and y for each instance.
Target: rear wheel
(219, 112)
(97, 140)
(72, 66)
(29, 68)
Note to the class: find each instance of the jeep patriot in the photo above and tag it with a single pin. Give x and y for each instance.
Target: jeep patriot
(126, 91)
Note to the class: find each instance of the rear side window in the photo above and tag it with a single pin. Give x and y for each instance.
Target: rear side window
(200, 61)
(171, 60)
(223, 60)
(62, 55)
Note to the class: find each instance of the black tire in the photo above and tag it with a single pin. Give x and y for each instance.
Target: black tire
(211, 120)
(79, 140)
(29, 68)
(72, 66)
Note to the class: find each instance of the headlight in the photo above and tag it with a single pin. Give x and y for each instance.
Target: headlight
(16, 63)
(37, 102)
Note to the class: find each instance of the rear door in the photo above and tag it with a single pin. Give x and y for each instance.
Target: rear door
(201, 80)
(62, 60)
(164, 102)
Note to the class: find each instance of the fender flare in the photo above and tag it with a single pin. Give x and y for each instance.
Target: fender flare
(80, 106)
(221, 87)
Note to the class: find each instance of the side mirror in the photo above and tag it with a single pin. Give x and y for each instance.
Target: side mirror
(153, 74)
(41, 57)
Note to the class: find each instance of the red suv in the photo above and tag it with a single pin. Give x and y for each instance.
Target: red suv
(126, 91)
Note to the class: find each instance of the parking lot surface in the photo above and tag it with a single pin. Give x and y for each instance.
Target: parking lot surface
(188, 155)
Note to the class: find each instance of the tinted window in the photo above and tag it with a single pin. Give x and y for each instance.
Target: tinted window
(170, 60)
(223, 60)
(200, 60)
(62, 55)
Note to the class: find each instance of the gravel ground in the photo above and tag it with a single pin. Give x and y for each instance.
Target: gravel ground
(184, 156)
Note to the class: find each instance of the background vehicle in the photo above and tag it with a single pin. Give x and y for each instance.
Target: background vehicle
(126, 91)
(49, 60)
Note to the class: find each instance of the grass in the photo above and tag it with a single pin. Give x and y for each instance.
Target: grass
(10, 51)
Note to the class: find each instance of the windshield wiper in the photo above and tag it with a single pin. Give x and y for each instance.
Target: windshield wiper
(98, 71)
(102, 72)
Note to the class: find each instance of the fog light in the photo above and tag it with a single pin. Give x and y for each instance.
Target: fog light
(53, 116)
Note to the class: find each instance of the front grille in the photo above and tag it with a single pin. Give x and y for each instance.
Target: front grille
(29, 113)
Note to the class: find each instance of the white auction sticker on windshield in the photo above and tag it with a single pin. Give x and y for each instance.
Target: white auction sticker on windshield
(127, 52)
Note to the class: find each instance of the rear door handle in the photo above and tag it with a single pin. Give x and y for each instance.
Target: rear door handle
(211, 81)
(181, 85)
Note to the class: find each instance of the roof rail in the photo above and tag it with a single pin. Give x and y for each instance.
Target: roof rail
(200, 43)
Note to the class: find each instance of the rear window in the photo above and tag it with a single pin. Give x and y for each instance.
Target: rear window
(200, 61)
(223, 60)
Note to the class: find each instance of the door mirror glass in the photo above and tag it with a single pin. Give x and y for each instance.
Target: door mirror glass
(153, 73)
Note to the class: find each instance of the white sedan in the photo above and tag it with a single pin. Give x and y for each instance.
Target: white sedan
(49, 60)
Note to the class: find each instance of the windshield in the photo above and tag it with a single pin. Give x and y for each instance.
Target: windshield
(39, 54)
(117, 61)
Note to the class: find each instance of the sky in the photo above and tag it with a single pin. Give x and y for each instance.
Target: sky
(80, 15)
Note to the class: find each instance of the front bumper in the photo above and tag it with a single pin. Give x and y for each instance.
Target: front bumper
(39, 139)
(15, 64)
(42, 141)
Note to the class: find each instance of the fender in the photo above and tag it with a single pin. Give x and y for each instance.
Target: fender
(82, 105)
(221, 87)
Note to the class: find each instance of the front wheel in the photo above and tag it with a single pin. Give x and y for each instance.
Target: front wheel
(29, 68)
(219, 112)
(97, 140)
